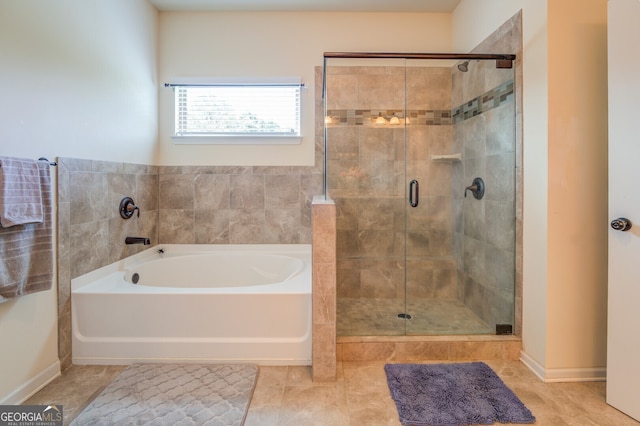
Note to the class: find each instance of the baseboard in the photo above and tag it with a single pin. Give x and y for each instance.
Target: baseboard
(28, 389)
(551, 375)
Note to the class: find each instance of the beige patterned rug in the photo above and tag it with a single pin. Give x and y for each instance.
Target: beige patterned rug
(174, 394)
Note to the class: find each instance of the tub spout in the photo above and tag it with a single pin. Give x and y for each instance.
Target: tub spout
(137, 240)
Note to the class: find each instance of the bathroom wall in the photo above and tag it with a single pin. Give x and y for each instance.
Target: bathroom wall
(488, 231)
(267, 44)
(238, 205)
(78, 79)
(578, 153)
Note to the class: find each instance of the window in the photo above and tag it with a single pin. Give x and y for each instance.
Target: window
(223, 110)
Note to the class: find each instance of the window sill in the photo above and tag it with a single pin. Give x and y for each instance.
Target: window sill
(237, 140)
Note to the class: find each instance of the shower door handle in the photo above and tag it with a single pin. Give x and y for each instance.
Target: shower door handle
(414, 193)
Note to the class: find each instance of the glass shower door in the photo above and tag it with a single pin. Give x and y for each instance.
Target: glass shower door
(366, 179)
(418, 253)
(430, 265)
(460, 249)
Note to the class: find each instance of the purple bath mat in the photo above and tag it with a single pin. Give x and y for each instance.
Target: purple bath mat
(453, 394)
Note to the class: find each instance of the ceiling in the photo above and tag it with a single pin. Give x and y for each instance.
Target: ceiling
(432, 6)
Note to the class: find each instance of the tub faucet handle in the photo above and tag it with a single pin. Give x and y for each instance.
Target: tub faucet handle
(128, 207)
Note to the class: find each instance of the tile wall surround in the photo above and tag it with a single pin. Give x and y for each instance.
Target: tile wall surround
(367, 182)
(324, 290)
(433, 348)
(91, 232)
(359, 117)
(481, 127)
(492, 98)
(236, 205)
(178, 205)
(491, 142)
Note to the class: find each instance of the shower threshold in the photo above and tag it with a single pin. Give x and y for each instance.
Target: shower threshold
(428, 348)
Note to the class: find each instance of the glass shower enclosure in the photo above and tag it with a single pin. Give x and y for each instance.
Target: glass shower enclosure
(420, 161)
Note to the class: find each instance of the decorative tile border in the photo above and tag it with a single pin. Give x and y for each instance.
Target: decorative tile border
(476, 106)
(359, 117)
(485, 102)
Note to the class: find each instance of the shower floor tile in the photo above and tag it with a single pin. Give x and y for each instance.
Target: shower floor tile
(379, 317)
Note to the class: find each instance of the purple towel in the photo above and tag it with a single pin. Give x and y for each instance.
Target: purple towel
(20, 192)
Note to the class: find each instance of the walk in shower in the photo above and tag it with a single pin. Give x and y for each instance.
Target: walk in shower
(420, 161)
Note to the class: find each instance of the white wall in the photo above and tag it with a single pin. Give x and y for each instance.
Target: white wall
(564, 166)
(78, 79)
(578, 207)
(81, 79)
(275, 44)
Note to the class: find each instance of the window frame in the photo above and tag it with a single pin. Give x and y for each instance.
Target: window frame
(239, 138)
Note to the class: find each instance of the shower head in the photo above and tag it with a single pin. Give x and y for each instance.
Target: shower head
(463, 66)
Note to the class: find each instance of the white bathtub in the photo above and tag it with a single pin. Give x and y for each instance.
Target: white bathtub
(196, 303)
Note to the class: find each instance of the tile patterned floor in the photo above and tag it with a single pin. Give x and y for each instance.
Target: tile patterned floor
(285, 395)
(370, 316)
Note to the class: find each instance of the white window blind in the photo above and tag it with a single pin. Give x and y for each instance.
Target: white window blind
(228, 109)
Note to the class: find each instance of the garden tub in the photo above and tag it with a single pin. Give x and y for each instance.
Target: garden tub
(196, 303)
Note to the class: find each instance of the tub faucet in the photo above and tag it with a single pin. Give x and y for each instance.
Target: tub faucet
(137, 240)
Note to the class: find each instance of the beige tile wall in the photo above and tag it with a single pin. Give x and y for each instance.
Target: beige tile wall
(178, 205)
(366, 179)
(473, 246)
(237, 205)
(487, 239)
(433, 348)
(324, 291)
(91, 232)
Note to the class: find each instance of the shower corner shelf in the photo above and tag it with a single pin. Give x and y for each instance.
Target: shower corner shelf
(446, 158)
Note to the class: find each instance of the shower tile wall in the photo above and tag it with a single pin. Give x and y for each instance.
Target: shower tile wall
(430, 265)
(488, 233)
(457, 248)
(485, 229)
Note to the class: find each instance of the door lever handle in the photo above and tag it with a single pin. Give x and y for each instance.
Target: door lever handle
(621, 224)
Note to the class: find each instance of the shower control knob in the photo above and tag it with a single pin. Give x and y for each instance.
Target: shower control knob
(621, 224)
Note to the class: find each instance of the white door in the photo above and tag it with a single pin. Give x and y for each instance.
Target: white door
(623, 346)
